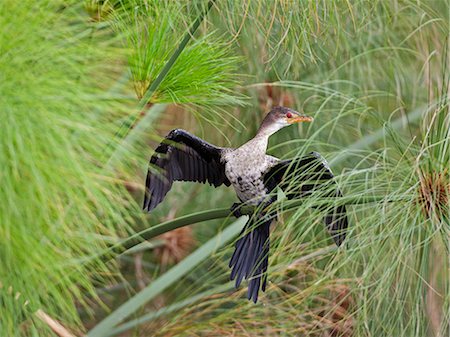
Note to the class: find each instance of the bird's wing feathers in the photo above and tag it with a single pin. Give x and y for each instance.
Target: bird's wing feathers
(251, 255)
(302, 176)
(182, 157)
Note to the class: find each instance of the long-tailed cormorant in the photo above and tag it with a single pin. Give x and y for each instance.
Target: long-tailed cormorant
(253, 174)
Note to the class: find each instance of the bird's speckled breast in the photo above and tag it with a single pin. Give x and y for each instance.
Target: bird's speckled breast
(245, 168)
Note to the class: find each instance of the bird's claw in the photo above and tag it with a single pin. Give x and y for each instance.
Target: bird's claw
(236, 210)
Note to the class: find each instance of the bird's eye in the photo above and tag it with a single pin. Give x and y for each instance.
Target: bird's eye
(289, 115)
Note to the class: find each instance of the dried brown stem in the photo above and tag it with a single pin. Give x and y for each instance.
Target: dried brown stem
(56, 327)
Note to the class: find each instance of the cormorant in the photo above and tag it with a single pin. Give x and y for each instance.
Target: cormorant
(253, 174)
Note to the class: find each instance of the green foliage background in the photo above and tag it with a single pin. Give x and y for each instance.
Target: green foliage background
(76, 135)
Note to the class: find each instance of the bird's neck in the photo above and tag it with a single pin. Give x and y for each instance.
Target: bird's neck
(268, 128)
(261, 140)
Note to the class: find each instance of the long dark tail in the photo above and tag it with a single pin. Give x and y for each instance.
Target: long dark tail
(337, 222)
(251, 256)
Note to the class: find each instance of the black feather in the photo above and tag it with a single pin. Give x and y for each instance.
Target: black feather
(182, 157)
(312, 173)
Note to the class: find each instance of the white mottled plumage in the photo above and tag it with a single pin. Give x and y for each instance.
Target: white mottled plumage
(246, 166)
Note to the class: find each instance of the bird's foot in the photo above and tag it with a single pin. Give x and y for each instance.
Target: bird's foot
(236, 209)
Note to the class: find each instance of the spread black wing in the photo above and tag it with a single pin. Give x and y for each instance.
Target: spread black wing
(182, 157)
(300, 177)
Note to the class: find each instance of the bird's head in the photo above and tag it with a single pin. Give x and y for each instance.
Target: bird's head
(280, 117)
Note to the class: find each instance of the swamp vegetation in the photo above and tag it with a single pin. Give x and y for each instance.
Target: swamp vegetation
(87, 88)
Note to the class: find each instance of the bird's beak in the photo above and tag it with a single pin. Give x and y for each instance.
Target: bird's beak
(297, 118)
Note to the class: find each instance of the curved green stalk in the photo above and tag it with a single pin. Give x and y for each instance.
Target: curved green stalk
(220, 213)
(170, 225)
